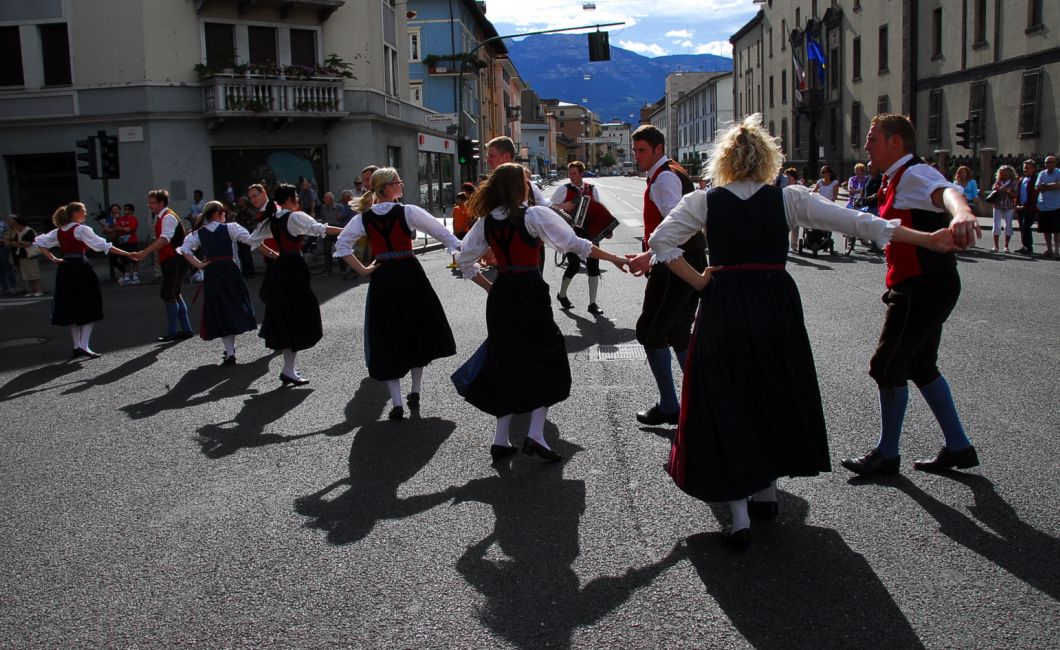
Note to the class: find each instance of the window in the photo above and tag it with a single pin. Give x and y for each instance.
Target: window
(390, 70)
(883, 104)
(784, 87)
(883, 49)
(11, 55)
(771, 92)
(55, 53)
(833, 64)
(262, 43)
(979, 24)
(977, 106)
(934, 133)
(784, 35)
(855, 59)
(416, 93)
(303, 47)
(220, 45)
(1030, 109)
(393, 157)
(414, 46)
(771, 42)
(784, 135)
(1034, 15)
(936, 33)
(855, 124)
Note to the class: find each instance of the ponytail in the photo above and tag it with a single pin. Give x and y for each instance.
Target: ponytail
(64, 214)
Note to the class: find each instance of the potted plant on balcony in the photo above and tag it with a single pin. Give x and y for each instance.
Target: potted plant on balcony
(334, 66)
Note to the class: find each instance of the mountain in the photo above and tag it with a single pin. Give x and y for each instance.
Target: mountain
(555, 66)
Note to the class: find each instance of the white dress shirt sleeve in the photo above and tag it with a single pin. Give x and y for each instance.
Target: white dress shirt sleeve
(191, 242)
(666, 192)
(169, 226)
(351, 232)
(686, 218)
(472, 248)
(556, 232)
(419, 219)
(558, 195)
(300, 223)
(49, 239)
(916, 186)
(88, 237)
(239, 233)
(804, 208)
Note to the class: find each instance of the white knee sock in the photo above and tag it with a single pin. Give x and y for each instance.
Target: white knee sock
(740, 520)
(594, 285)
(768, 494)
(394, 386)
(537, 425)
(75, 334)
(86, 334)
(230, 345)
(500, 437)
(289, 357)
(564, 283)
(417, 380)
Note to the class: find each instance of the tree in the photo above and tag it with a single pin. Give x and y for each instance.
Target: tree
(608, 159)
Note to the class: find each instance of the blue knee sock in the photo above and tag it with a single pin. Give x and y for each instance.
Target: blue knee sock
(182, 313)
(659, 362)
(938, 396)
(171, 317)
(681, 356)
(892, 414)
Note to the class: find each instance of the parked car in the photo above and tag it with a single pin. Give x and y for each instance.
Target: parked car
(589, 173)
(536, 179)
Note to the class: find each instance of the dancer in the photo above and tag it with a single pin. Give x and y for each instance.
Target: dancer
(405, 326)
(169, 235)
(227, 309)
(77, 302)
(525, 366)
(750, 346)
(292, 312)
(565, 198)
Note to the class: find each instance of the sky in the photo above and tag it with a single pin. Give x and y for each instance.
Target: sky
(651, 27)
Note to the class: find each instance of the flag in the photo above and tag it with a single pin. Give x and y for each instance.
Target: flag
(814, 53)
(800, 79)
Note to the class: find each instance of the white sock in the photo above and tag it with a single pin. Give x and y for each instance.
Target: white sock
(86, 334)
(537, 425)
(500, 436)
(767, 495)
(417, 380)
(564, 283)
(230, 345)
(740, 520)
(289, 357)
(75, 334)
(394, 386)
(594, 285)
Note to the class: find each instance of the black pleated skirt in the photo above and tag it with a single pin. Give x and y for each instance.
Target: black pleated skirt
(292, 312)
(226, 309)
(77, 299)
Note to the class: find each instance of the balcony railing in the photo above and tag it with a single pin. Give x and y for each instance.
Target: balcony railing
(234, 95)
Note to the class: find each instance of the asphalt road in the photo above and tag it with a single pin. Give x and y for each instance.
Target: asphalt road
(154, 498)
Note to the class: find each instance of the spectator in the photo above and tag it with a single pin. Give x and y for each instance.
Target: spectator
(125, 227)
(461, 221)
(963, 179)
(856, 186)
(828, 185)
(230, 194)
(197, 206)
(8, 283)
(308, 201)
(1027, 206)
(25, 254)
(1048, 187)
(1004, 203)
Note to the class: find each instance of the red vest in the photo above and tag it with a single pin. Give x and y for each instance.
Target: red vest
(170, 249)
(388, 232)
(69, 244)
(283, 240)
(572, 193)
(510, 241)
(652, 216)
(905, 261)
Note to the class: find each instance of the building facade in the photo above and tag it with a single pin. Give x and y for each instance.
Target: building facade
(699, 113)
(580, 127)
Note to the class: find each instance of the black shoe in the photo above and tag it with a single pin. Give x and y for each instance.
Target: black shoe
(595, 310)
(396, 413)
(946, 459)
(183, 334)
(531, 447)
(564, 302)
(872, 463)
(654, 416)
(763, 509)
(413, 400)
(231, 361)
(76, 353)
(167, 338)
(500, 452)
(738, 540)
(95, 355)
(297, 381)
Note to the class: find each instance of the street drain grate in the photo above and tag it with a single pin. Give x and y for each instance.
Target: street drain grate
(28, 342)
(623, 352)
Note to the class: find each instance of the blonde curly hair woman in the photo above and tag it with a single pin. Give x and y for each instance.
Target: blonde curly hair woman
(750, 346)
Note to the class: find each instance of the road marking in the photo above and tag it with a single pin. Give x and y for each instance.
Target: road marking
(632, 223)
(22, 302)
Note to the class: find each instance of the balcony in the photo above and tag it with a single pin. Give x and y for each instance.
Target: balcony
(232, 96)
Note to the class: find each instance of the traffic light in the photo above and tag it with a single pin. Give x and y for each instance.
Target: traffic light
(467, 151)
(964, 134)
(599, 49)
(87, 155)
(108, 155)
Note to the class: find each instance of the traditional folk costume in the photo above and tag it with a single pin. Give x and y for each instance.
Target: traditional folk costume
(227, 309)
(174, 267)
(405, 325)
(749, 347)
(523, 366)
(570, 193)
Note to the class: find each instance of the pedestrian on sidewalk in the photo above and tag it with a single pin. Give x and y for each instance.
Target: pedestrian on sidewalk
(751, 408)
(169, 235)
(1048, 186)
(77, 302)
(226, 307)
(8, 282)
(523, 366)
(25, 255)
(1004, 204)
(405, 325)
(1027, 206)
(125, 227)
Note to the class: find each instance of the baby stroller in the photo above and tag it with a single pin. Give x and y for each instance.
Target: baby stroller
(816, 240)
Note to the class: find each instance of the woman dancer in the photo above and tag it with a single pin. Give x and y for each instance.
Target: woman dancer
(525, 366)
(227, 309)
(77, 302)
(749, 346)
(292, 312)
(405, 326)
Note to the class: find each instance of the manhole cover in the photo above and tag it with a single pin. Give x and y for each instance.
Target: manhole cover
(22, 343)
(625, 351)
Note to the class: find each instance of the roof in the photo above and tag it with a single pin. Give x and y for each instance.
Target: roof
(748, 27)
(488, 30)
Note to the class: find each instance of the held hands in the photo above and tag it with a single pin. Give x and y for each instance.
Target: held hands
(942, 241)
(622, 263)
(965, 229)
(639, 264)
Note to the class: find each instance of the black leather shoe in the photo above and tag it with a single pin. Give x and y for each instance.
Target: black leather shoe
(595, 310)
(297, 381)
(413, 400)
(762, 509)
(95, 355)
(229, 361)
(500, 452)
(166, 338)
(872, 463)
(396, 413)
(184, 334)
(564, 302)
(946, 459)
(531, 447)
(655, 416)
(738, 540)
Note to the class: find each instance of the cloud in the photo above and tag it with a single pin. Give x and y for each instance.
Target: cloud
(679, 33)
(721, 48)
(686, 44)
(647, 49)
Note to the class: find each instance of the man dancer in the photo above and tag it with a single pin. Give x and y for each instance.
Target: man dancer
(566, 198)
(669, 303)
(1027, 206)
(922, 289)
(169, 235)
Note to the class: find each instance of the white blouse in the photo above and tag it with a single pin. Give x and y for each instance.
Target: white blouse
(299, 223)
(801, 208)
(82, 233)
(416, 218)
(540, 222)
(237, 232)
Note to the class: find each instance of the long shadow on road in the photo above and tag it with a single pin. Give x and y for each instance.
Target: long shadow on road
(36, 380)
(800, 587)
(126, 369)
(247, 428)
